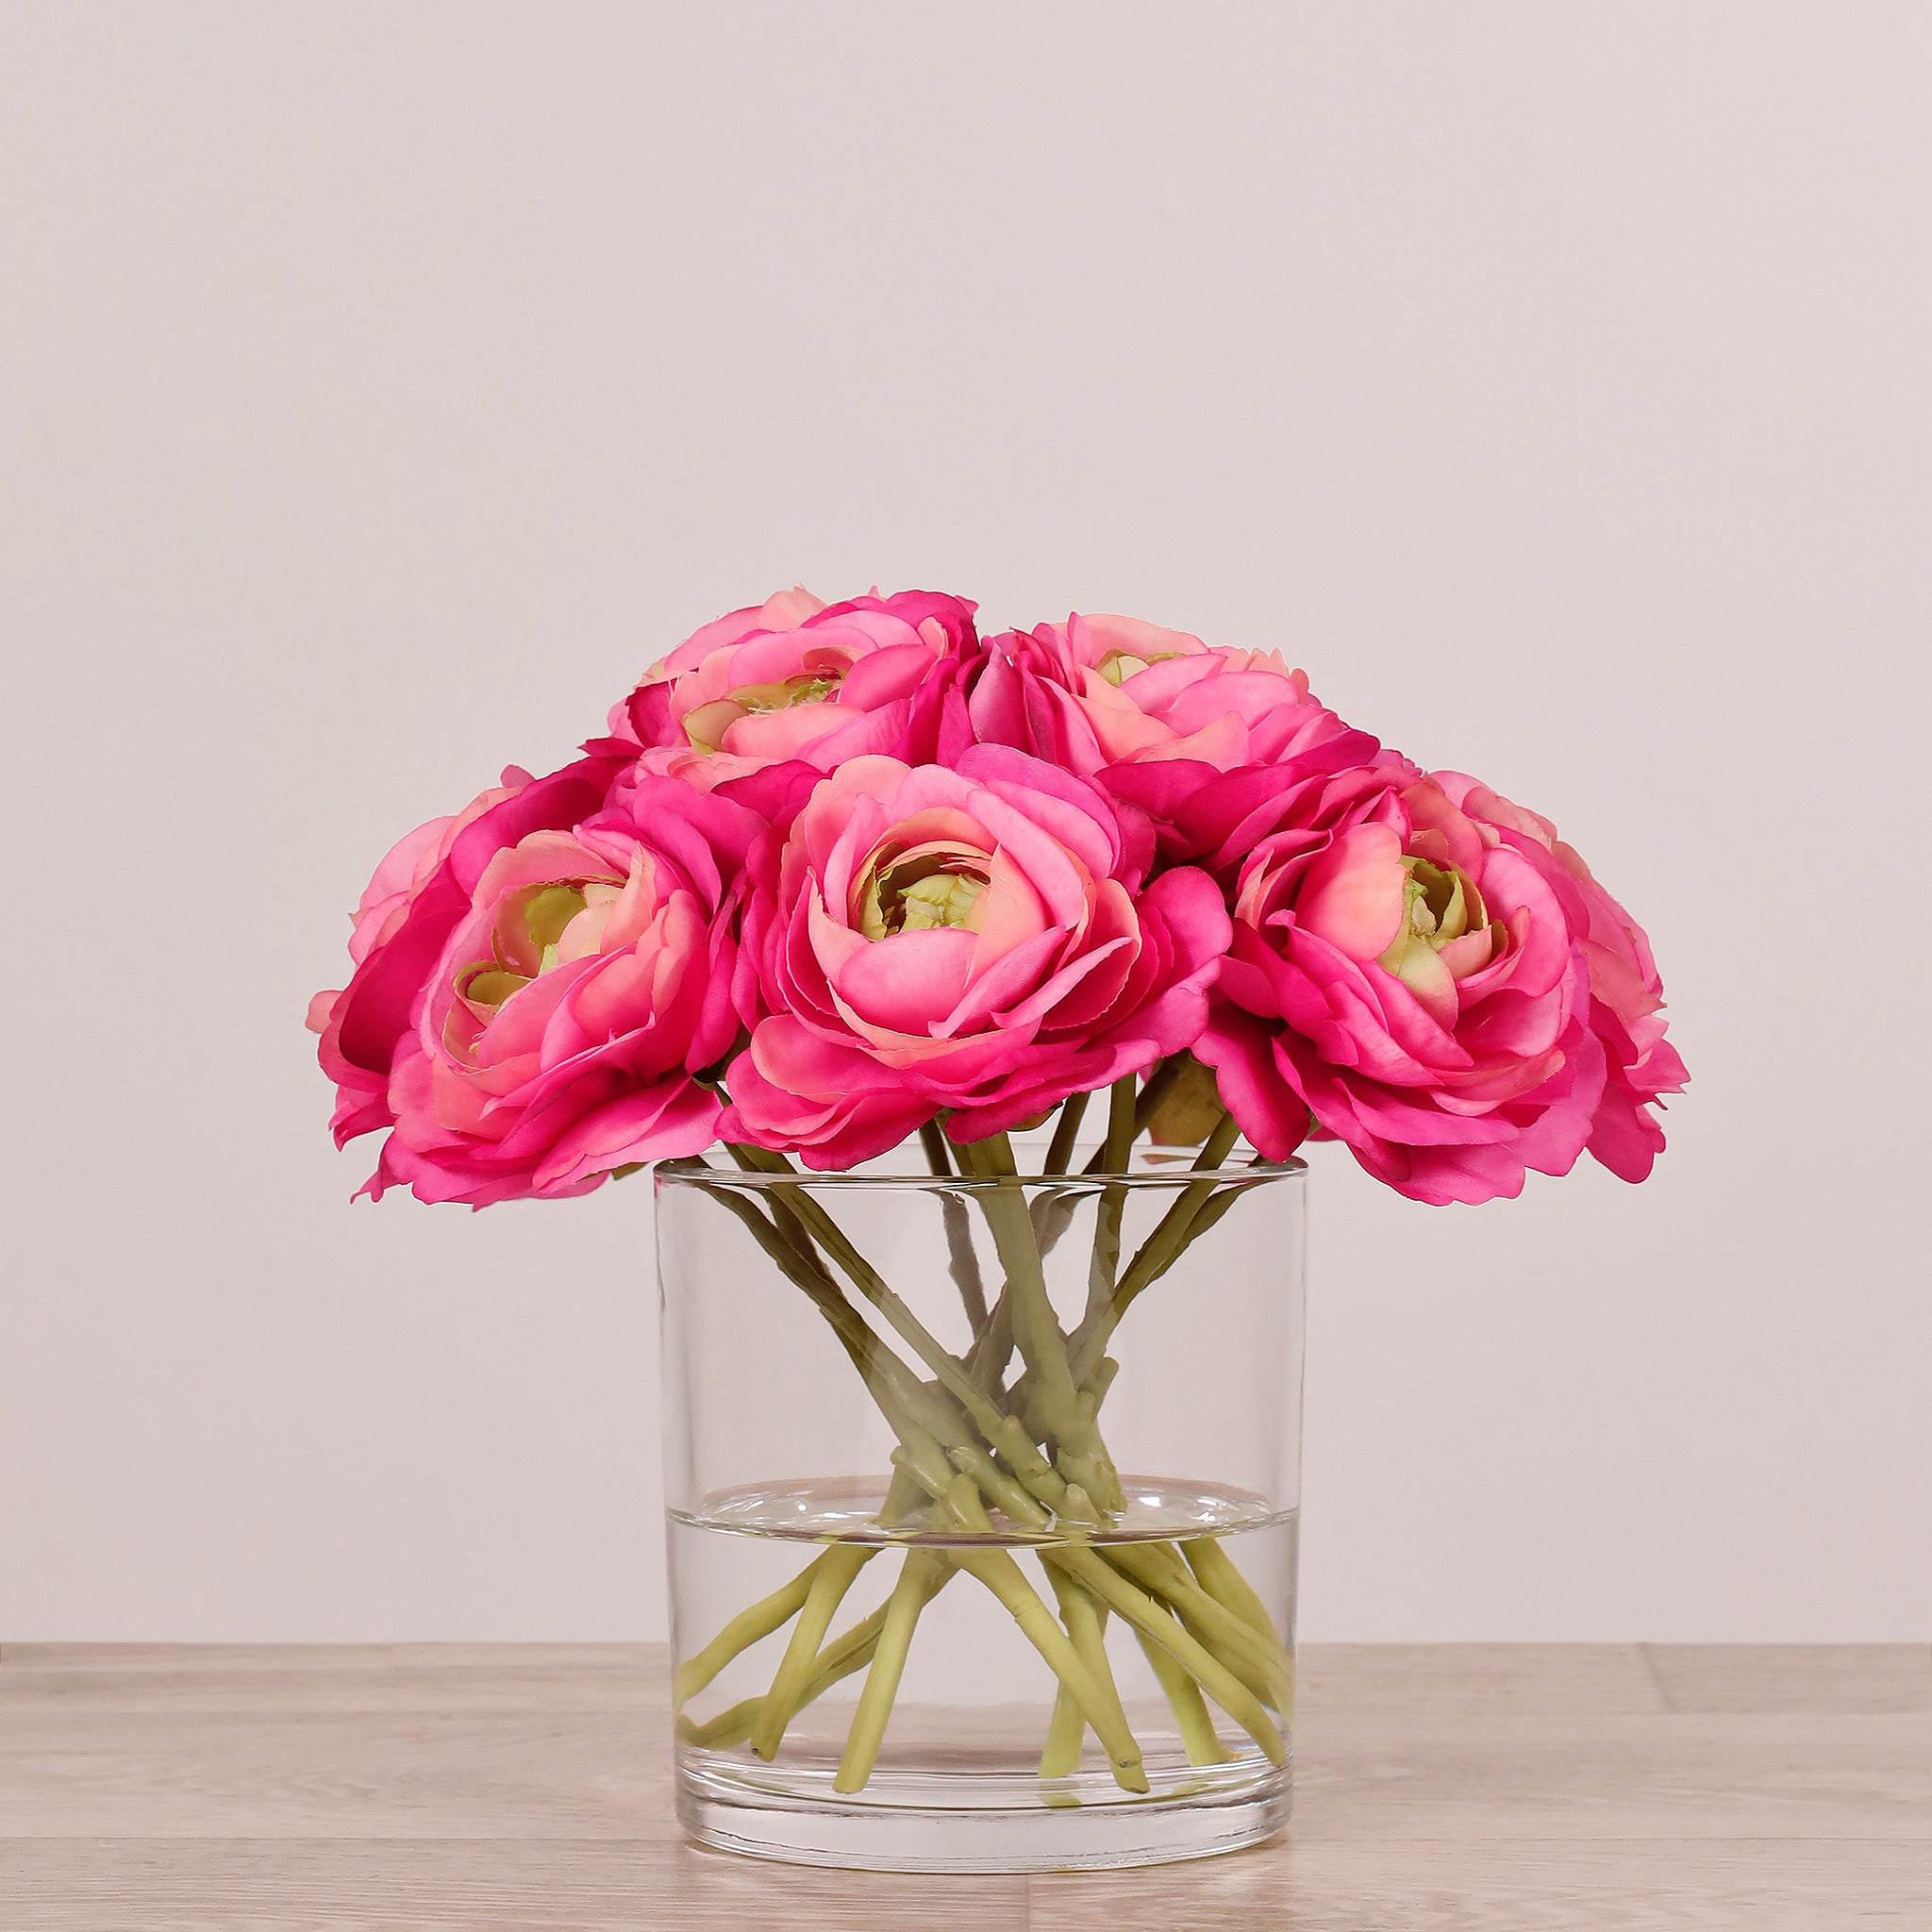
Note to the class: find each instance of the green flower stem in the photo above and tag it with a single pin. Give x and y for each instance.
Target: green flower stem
(1218, 1576)
(1085, 1622)
(1059, 1757)
(1053, 1211)
(1153, 1096)
(752, 1625)
(1158, 1570)
(1065, 1132)
(1082, 1455)
(1053, 1215)
(1155, 1567)
(932, 1415)
(1066, 1730)
(838, 1660)
(1033, 1506)
(941, 1474)
(1218, 1204)
(934, 1456)
(1116, 1152)
(1191, 1713)
(1246, 1641)
(851, 1650)
(820, 1226)
(725, 1731)
(961, 1262)
(1152, 1621)
(1261, 1664)
(934, 1142)
(924, 1422)
(746, 1628)
(886, 1378)
(998, 1571)
(992, 1348)
(921, 1578)
(1099, 1702)
(835, 1573)
(1086, 1625)
(1109, 1158)
(1157, 1253)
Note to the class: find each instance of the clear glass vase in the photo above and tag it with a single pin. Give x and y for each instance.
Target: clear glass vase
(982, 1506)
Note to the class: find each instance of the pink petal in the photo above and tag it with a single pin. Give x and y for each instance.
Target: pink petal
(1352, 894)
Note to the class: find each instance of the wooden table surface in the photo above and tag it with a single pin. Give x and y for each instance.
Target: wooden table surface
(1491, 1788)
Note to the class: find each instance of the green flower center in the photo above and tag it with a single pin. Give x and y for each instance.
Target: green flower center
(1439, 905)
(1439, 902)
(1118, 666)
(545, 914)
(923, 892)
(781, 697)
(707, 724)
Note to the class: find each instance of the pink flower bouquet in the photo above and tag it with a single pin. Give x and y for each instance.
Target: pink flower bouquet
(841, 880)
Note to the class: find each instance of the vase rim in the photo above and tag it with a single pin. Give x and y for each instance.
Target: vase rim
(1254, 1174)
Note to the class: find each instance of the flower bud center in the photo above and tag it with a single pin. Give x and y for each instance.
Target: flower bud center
(1440, 903)
(1118, 666)
(545, 914)
(1443, 913)
(922, 893)
(706, 725)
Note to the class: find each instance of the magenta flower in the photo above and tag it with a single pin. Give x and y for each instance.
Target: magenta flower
(795, 679)
(411, 862)
(1412, 972)
(980, 939)
(540, 1014)
(1626, 996)
(408, 909)
(1101, 691)
(407, 866)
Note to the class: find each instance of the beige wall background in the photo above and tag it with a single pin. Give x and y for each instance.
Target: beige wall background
(382, 388)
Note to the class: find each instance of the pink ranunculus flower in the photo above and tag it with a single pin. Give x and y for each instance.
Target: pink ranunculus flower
(410, 864)
(1104, 692)
(564, 1023)
(613, 1063)
(400, 933)
(977, 939)
(1404, 973)
(793, 678)
(1626, 995)
(407, 866)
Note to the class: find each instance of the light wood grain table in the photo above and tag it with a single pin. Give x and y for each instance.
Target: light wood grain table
(1491, 1788)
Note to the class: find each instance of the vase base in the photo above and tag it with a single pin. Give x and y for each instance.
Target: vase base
(1082, 1824)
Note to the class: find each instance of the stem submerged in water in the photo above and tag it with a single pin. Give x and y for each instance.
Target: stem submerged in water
(1085, 1622)
(1191, 1715)
(920, 1578)
(834, 1574)
(746, 1628)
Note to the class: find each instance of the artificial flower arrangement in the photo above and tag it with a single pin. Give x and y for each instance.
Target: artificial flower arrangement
(839, 879)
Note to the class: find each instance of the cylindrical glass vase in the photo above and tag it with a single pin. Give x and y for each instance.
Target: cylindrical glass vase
(982, 1506)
